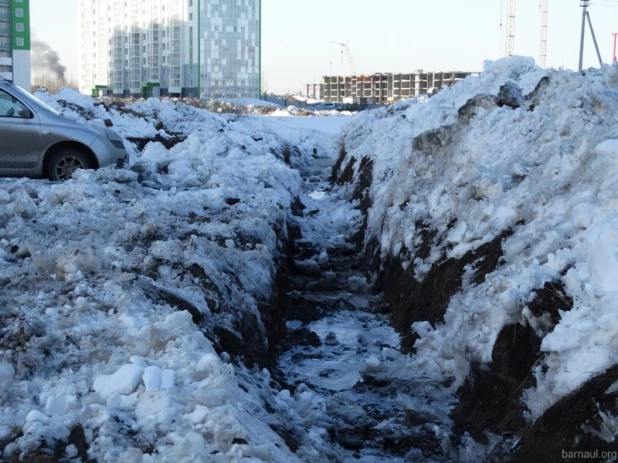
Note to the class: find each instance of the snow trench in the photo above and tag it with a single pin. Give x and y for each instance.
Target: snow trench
(224, 300)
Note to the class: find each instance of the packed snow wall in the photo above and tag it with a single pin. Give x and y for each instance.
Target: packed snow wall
(490, 225)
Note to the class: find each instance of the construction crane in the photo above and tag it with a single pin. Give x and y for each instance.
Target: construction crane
(544, 6)
(510, 28)
(346, 50)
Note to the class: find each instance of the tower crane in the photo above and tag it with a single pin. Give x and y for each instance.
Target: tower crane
(510, 28)
(544, 6)
(348, 54)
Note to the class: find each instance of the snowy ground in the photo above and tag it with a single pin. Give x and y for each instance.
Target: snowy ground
(122, 289)
(134, 304)
(516, 149)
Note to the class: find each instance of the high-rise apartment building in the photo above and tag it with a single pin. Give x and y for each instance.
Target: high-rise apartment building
(15, 41)
(206, 48)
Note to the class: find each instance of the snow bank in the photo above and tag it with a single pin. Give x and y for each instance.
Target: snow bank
(519, 150)
(128, 294)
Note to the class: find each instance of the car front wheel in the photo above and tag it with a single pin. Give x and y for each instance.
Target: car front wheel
(62, 164)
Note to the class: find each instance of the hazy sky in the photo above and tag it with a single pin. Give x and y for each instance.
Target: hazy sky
(384, 36)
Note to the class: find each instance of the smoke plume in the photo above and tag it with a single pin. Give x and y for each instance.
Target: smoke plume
(46, 62)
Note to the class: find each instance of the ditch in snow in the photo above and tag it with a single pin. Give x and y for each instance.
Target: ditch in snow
(342, 346)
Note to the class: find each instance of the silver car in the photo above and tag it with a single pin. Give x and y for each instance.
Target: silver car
(36, 141)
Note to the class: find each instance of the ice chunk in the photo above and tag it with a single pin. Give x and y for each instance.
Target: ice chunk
(372, 364)
(82, 304)
(55, 405)
(611, 76)
(132, 455)
(5, 197)
(602, 254)
(6, 372)
(198, 415)
(35, 415)
(582, 216)
(608, 148)
(5, 431)
(152, 378)
(71, 451)
(83, 259)
(124, 381)
(155, 407)
(209, 364)
(168, 378)
(137, 360)
(359, 302)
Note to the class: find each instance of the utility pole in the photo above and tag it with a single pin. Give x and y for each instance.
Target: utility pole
(544, 5)
(614, 57)
(510, 28)
(586, 17)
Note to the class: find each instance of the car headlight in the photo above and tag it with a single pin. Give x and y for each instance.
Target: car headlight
(118, 144)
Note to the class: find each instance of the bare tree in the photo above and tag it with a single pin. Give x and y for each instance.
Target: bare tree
(53, 84)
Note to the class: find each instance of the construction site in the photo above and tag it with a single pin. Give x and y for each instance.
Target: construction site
(382, 88)
(386, 87)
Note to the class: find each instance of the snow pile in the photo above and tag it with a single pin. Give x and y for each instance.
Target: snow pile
(127, 294)
(518, 151)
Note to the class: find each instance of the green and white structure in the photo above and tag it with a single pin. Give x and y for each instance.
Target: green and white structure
(205, 48)
(15, 42)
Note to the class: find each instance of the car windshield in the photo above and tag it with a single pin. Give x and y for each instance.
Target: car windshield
(24, 95)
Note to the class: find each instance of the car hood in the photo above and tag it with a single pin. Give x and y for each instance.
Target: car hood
(101, 131)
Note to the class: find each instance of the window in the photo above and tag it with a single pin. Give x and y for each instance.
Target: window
(19, 27)
(19, 41)
(19, 12)
(12, 107)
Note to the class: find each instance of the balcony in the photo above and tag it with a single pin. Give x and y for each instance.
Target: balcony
(5, 2)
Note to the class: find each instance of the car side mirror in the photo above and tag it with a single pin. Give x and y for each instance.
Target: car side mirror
(24, 113)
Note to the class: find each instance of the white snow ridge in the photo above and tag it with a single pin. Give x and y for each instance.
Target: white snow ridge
(447, 294)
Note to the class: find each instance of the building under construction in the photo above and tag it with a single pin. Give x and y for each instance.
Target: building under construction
(382, 88)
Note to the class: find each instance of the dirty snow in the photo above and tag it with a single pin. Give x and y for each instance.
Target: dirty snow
(546, 170)
(121, 289)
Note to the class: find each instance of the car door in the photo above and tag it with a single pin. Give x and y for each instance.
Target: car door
(20, 137)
